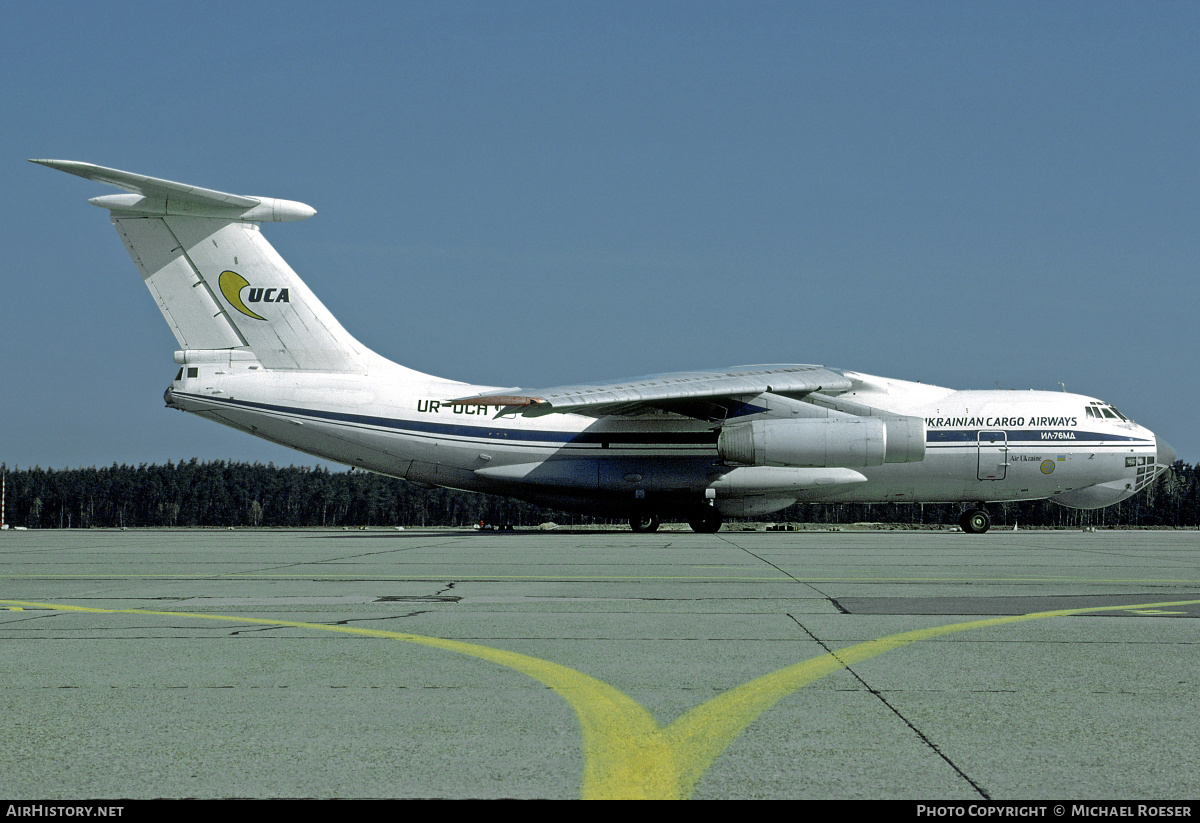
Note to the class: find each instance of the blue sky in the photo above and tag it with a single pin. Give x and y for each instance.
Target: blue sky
(544, 193)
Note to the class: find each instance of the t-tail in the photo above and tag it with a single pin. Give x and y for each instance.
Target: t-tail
(222, 288)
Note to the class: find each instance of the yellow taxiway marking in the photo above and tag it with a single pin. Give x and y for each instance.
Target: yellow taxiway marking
(626, 753)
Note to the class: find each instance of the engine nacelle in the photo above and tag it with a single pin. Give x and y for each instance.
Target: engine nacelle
(817, 442)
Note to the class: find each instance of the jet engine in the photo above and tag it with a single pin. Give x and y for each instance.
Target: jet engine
(846, 441)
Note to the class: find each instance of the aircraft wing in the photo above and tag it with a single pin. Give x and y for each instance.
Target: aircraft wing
(690, 393)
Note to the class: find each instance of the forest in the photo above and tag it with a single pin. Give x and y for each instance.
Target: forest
(214, 494)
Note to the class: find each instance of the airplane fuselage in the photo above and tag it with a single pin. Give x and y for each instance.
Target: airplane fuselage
(981, 446)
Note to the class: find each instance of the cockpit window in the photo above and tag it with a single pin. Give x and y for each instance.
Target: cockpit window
(1102, 411)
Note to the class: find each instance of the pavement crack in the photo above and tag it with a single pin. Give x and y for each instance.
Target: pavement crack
(882, 699)
(15, 620)
(328, 560)
(353, 620)
(785, 573)
(439, 596)
(347, 622)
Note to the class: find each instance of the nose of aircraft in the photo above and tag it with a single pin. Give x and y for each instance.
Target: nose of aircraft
(1166, 454)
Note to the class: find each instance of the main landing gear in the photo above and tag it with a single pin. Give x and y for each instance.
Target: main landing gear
(705, 520)
(975, 521)
(644, 522)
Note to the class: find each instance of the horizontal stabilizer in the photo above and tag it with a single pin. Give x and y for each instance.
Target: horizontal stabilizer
(151, 195)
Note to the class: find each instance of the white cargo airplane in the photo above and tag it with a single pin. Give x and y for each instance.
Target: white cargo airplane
(259, 352)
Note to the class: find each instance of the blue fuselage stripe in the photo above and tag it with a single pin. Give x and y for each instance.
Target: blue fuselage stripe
(701, 438)
(1026, 436)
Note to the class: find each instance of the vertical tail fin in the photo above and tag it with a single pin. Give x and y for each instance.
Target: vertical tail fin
(219, 284)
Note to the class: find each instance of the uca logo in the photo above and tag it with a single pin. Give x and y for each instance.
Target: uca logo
(232, 284)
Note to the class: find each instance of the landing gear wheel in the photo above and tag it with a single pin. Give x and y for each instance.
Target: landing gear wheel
(707, 521)
(975, 521)
(644, 522)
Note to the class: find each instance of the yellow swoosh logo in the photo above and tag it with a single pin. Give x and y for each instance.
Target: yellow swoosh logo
(627, 754)
(231, 284)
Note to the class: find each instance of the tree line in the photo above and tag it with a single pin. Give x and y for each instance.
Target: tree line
(222, 494)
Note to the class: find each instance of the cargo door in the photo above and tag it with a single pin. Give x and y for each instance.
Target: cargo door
(993, 455)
